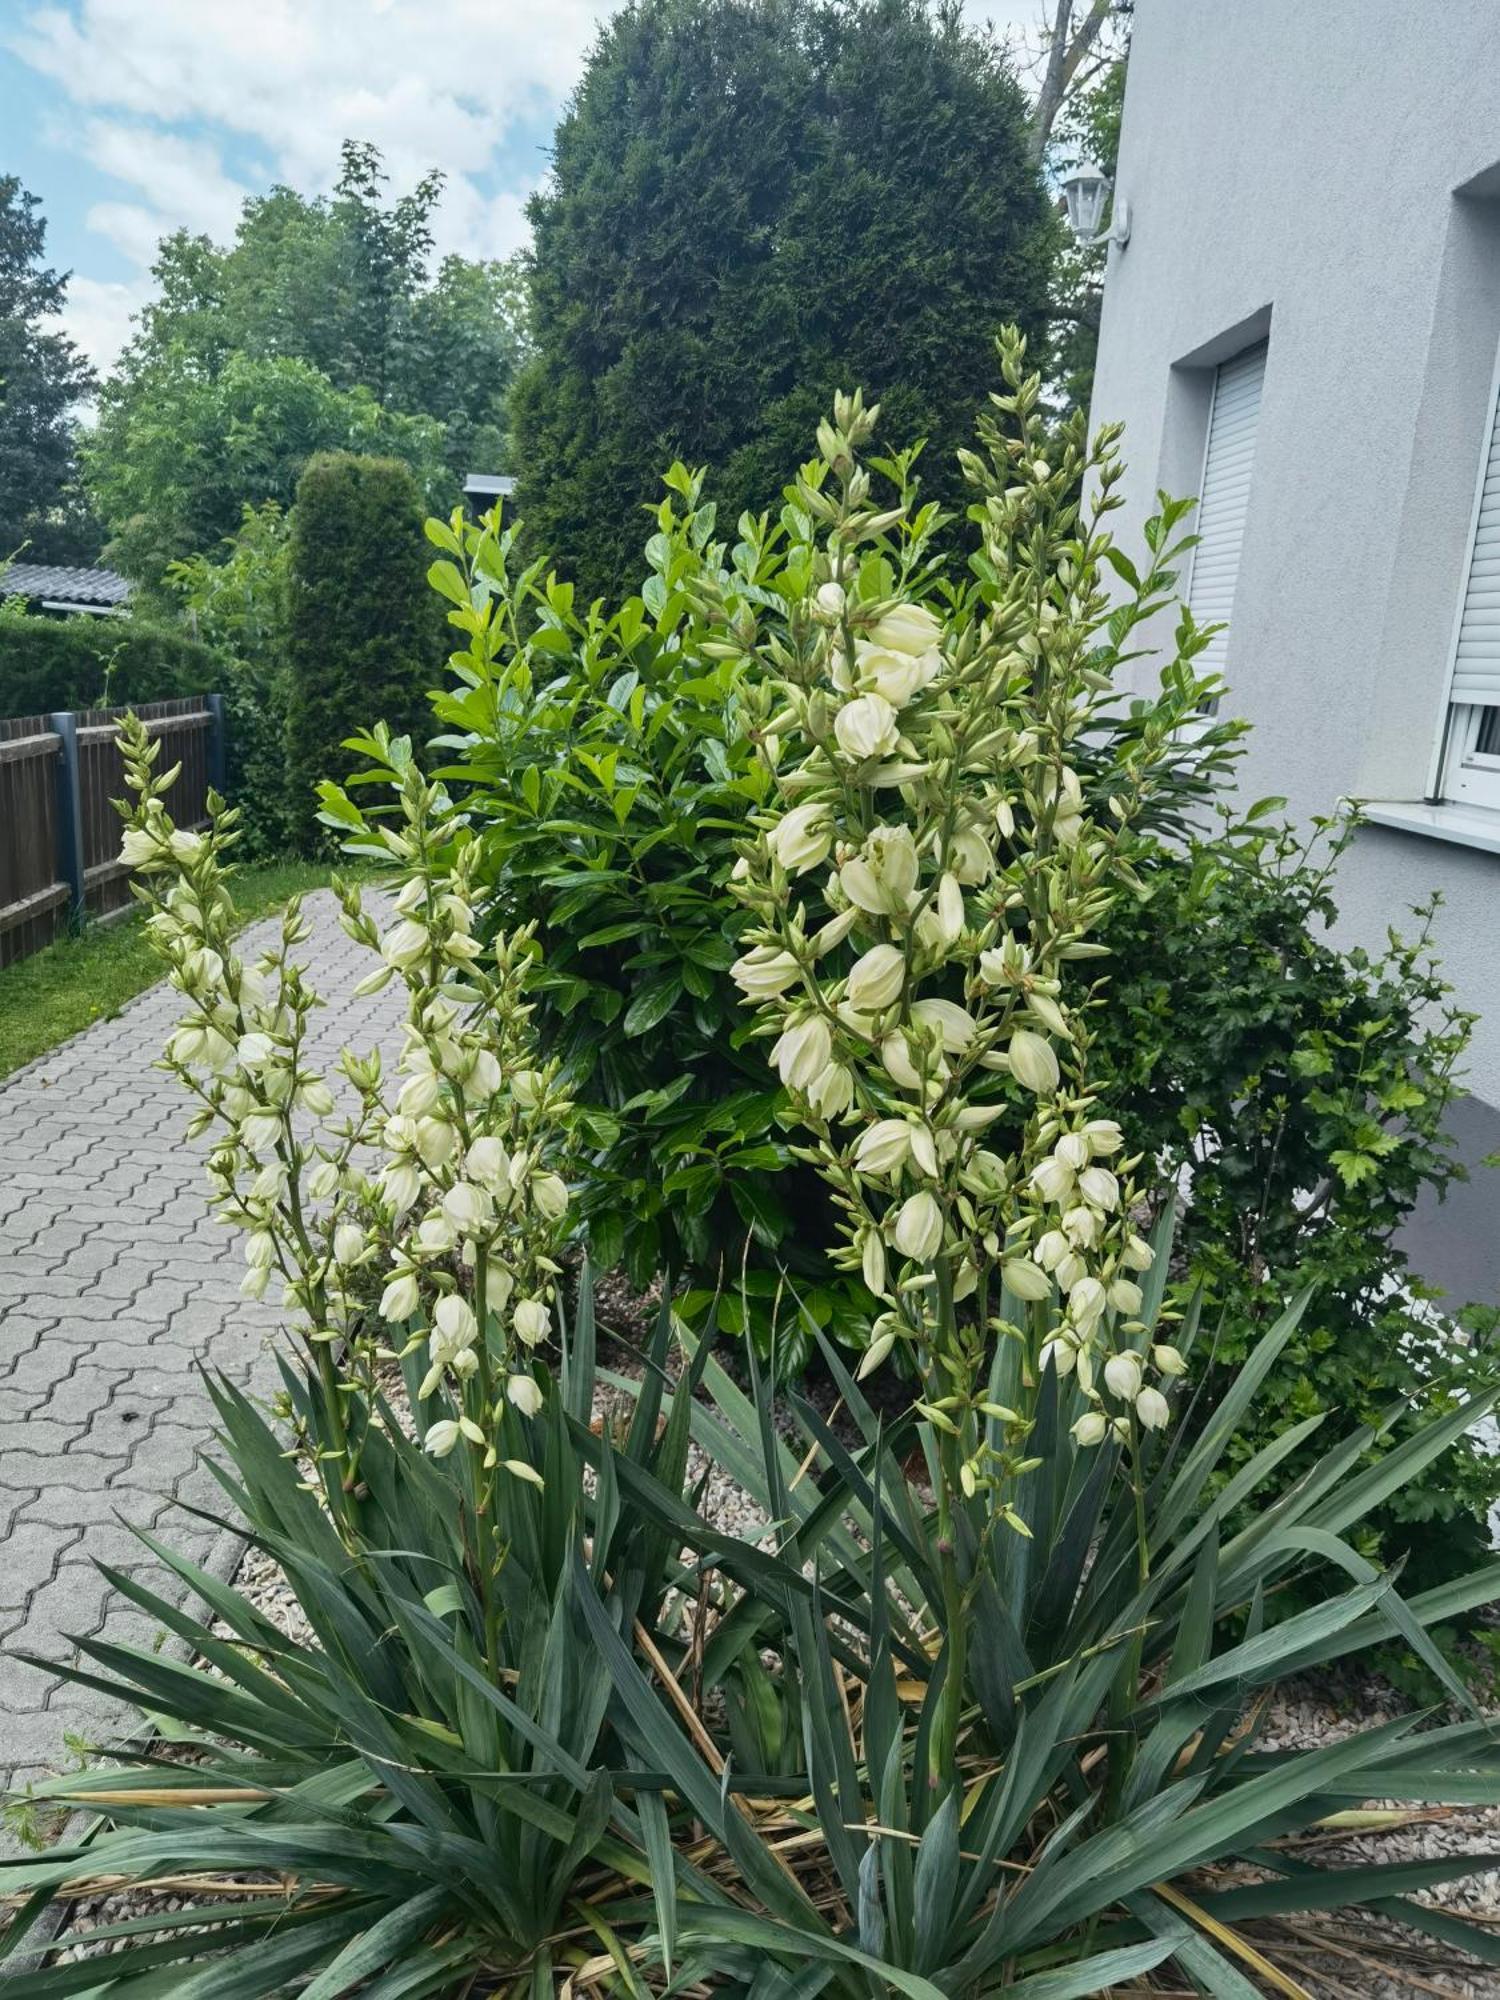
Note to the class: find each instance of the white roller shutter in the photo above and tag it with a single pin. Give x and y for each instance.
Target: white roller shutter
(1224, 497)
(1476, 663)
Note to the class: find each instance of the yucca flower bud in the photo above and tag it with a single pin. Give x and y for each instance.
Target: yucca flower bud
(872, 1262)
(531, 1321)
(1086, 1304)
(404, 945)
(831, 1091)
(1033, 1062)
(866, 727)
(802, 839)
(1091, 1429)
(765, 972)
(1125, 1297)
(467, 1207)
(323, 1180)
(954, 1025)
(875, 1354)
(549, 1195)
(399, 1299)
(919, 1228)
(1138, 1254)
(882, 1147)
(1053, 1179)
(1122, 1375)
(525, 1393)
(488, 1163)
(1025, 1280)
(876, 979)
(441, 1438)
(1152, 1409)
(1073, 1149)
(1168, 1360)
(908, 628)
(348, 1243)
(802, 1051)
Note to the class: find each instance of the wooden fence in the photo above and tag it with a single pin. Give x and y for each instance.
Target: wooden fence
(59, 831)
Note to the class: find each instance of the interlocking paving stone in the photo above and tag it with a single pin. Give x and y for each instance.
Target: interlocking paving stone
(115, 1285)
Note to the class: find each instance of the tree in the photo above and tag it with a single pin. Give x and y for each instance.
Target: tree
(42, 377)
(365, 633)
(329, 306)
(1079, 49)
(755, 203)
(177, 455)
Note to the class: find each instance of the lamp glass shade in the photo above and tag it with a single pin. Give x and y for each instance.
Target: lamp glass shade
(1085, 191)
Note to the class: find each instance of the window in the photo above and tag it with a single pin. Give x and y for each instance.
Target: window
(1224, 496)
(1471, 764)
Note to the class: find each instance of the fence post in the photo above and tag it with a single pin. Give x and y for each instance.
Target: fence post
(216, 741)
(64, 725)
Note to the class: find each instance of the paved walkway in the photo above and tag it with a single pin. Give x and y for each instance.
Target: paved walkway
(115, 1283)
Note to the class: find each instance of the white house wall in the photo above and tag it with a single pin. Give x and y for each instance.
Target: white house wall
(1327, 174)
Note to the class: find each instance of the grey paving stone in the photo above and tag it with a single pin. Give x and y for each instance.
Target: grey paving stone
(115, 1286)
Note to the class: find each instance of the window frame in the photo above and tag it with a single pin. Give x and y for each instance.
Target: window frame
(1462, 774)
(1471, 776)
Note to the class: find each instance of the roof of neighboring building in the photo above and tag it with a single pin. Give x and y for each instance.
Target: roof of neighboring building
(56, 584)
(489, 482)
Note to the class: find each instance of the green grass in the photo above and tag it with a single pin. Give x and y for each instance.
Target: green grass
(90, 975)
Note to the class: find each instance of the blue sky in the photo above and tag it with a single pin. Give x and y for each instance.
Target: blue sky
(130, 118)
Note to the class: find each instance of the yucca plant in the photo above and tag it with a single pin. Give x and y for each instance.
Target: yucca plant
(1112, 1809)
(374, 1808)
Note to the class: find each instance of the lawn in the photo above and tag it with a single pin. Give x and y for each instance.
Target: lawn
(90, 975)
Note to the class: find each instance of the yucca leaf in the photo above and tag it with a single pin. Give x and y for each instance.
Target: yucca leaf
(656, 1833)
(744, 1927)
(935, 1882)
(1261, 1659)
(1183, 1495)
(1089, 1976)
(374, 1949)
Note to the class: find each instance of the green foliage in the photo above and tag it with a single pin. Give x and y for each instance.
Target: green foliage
(751, 207)
(177, 455)
(81, 662)
(318, 329)
(751, 1802)
(42, 377)
(363, 631)
(609, 776)
(238, 604)
(1300, 1090)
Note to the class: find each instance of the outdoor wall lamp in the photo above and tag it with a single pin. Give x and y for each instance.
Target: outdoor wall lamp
(1085, 190)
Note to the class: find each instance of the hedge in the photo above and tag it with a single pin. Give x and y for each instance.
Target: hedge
(366, 636)
(49, 663)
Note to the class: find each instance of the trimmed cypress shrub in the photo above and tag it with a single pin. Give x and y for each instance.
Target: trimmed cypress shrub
(752, 204)
(48, 663)
(366, 634)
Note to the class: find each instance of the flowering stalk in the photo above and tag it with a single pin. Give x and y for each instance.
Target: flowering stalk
(922, 899)
(423, 1207)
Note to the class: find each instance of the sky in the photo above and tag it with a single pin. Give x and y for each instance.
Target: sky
(132, 118)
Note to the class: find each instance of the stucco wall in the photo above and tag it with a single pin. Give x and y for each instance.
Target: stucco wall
(1331, 171)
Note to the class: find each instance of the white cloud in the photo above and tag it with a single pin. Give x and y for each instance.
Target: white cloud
(98, 313)
(429, 86)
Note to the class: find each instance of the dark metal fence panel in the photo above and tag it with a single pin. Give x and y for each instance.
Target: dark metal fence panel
(59, 831)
